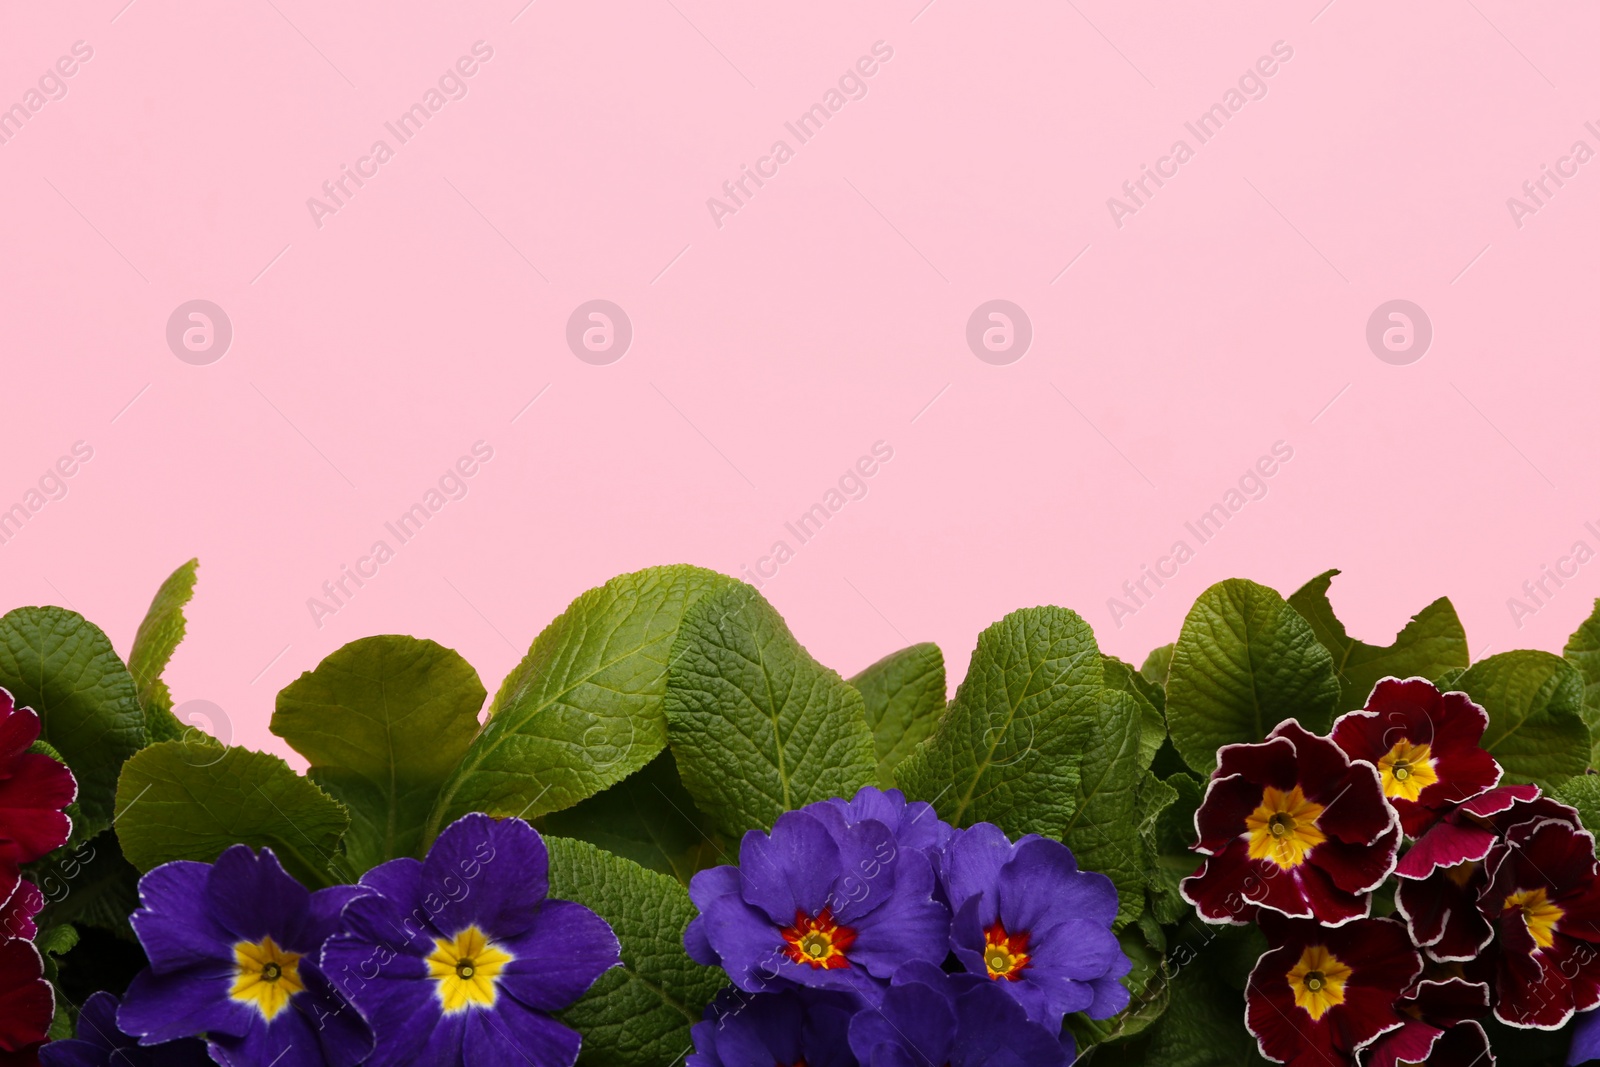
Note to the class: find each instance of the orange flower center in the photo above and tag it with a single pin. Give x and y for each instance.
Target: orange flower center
(818, 941)
(1004, 955)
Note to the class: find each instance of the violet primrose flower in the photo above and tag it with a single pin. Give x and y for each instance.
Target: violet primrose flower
(233, 948)
(460, 958)
(100, 1043)
(1028, 918)
(796, 1026)
(953, 1020)
(819, 902)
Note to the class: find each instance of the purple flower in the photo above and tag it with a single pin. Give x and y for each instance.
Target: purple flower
(1585, 1039)
(819, 902)
(233, 948)
(796, 1026)
(912, 823)
(959, 1020)
(1030, 920)
(100, 1043)
(460, 958)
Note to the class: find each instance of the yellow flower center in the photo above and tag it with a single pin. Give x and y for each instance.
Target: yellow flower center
(265, 976)
(1538, 912)
(1004, 955)
(1406, 770)
(1284, 828)
(1318, 981)
(465, 967)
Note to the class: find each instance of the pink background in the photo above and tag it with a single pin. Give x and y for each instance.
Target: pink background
(827, 314)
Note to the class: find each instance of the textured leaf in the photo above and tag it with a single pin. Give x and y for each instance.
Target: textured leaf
(1203, 1026)
(383, 722)
(1168, 846)
(758, 727)
(1157, 663)
(88, 885)
(1583, 652)
(1582, 791)
(170, 808)
(649, 818)
(1008, 748)
(639, 1014)
(1152, 701)
(60, 665)
(157, 638)
(1431, 643)
(1245, 662)
(583, 710)
(1535, 704)
(904, 694)
(1103, 831)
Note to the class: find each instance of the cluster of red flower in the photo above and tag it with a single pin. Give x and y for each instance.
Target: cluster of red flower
(1497, 899)
(33, 791)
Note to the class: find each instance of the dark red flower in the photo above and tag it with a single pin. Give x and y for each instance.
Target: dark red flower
(1439, 1029)
(1294, 826)
(16, 914)
(1322, 994)
(1425, 746)
(1443, 871)
(33, 790)
(1543, 897)
(27, 1003)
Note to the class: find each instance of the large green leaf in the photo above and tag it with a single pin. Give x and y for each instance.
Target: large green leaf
(60, 665)
(649, 818)
(639, 1014)
(383, 722)
(758, 727)
(1245, 662)
(583, 710)
(905, 695)
(1103, 831)
(1583, 652)
(157, 638)
(1431, 643)
(1167, 845)
(171, 807)
(1009, 748)
(1582, 791)
(1203, 1026)
(1156, 664)
(1535, 704)
(1152, 701)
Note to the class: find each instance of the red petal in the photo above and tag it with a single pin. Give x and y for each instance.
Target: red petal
(27, 1003)
(1446, 844)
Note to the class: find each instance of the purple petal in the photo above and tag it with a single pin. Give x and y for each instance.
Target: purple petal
(322, 919)
(484, 872)
(173, 925)
(253, 898)
(869, 857)
(972, 863)
(164, 1007)
(697, 943)
(512, 1037)
(908, 925)
(1585, 1039)
(713, 882)
(1042, 886)
(560, 956)
(791, 871)
(399, 880)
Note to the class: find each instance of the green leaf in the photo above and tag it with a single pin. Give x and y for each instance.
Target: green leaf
(758, 727)
(1103, 831)
(649, 818)
(157, 638)
(88, 885)
(1168, 843)
(1152, 700)
(60, 665)
(1245, 662)
(904, 694)
(1157, 663)
(1147, 990)
(1431, 643)
(639, 1014)
(1203, 1026)
(1582, 791)
(583, 710)
(1583, 652)
(1535, 704)
(170, 807)
(383, 722)
(1008, 748)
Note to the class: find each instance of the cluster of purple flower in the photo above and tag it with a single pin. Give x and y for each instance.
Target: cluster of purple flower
(455, 959)
(869, 931)
(1497, 894)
